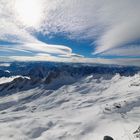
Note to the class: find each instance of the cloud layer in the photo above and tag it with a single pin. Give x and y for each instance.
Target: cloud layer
(15, 32)
(109, 24)
(112, 26)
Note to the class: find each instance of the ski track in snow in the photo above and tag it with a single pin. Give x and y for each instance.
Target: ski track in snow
(86, 110)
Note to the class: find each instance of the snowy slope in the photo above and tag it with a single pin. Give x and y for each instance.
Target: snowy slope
(7, 79)
(87, 109)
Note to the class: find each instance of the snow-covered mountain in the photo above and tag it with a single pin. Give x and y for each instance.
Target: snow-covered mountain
(53, 101)
(54, 75)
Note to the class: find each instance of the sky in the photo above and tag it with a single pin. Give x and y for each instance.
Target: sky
(89, 31)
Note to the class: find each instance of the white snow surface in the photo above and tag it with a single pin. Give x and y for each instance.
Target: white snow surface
(86, 110)
(10, 79)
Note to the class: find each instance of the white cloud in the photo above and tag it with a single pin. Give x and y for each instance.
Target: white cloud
(5, 64)
(46, 48)
(128, 51)
(119, 36)
(110, 25)
(11, 30)
(43, 57)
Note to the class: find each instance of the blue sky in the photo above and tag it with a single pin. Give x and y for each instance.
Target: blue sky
(94, 31)
(81, 47)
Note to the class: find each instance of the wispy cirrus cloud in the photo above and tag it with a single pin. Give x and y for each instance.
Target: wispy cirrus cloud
(109, 24)
(21, 36)
(112, 26)
(127, 51)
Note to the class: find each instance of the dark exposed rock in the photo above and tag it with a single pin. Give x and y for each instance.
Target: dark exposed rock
(137, 133)
(18, 84)
(107, 138)
(51, 75)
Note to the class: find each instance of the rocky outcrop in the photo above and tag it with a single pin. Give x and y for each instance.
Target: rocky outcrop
(107, 138)
(137, 133)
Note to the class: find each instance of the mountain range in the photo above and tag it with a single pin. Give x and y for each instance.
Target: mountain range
(69, 101)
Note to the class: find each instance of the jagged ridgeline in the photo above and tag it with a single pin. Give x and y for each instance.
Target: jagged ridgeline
(54, 75)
